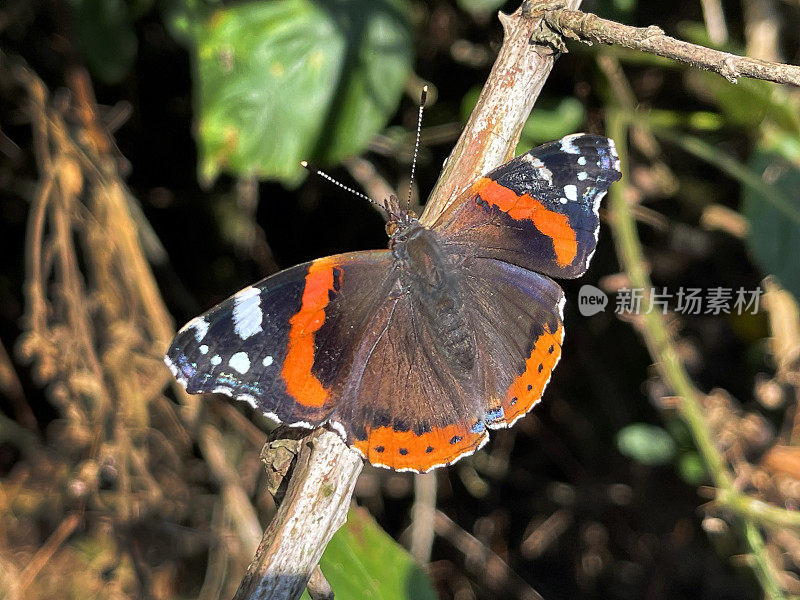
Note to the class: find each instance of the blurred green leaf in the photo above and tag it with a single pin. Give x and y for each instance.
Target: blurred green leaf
(480, 7)
(616, 10)
(647, 444)
(698, 120)
(550, 120)
(105, 34)
(362, 562)
(774, 240)
(691, 469)
(185, 19)
(749, 178)
(282, 81)
(747, 103)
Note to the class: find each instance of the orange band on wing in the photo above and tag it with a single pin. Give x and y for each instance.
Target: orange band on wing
(407, 450)
(525, 207)
(301, 383)
(526, 390)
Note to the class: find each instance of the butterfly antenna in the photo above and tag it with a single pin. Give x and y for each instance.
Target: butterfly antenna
(422, 99)
(315, 171)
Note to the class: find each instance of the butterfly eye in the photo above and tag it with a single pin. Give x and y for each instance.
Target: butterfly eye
(391, 228)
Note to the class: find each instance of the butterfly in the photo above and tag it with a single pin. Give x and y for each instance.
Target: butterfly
(414, 352)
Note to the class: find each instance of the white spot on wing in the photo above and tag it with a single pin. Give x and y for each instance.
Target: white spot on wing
(200, 326)
(251, 400)
(571, 192)
(582, 175)
(568, 144)
(203, 349)
(267, 361)
(241, 362)
(596, 205)
(339, 428)
(542, 172)
(581, 160)
(175, 372)
(215, 360)
(247, 314)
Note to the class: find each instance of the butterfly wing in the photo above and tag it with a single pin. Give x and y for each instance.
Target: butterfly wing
(272, 344)
(518, 316)
(540, 210)
(403, 404)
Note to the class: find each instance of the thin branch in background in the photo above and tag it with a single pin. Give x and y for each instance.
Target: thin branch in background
(318, 586)
(218, 558)
(234, 496)
(590, 28)
(544, 532)
(12, 389)
(762, 26)
(251, 239)
(422, 515)
(367, 176)
(715, 21)
(495, 572)
(46, 552)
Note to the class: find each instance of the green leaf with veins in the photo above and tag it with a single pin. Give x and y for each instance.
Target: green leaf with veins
(279, 82)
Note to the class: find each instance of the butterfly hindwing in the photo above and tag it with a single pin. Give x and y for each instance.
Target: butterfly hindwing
(408, 403)
(540, 210)
(518, 316)
(262, 345)
(404, 404)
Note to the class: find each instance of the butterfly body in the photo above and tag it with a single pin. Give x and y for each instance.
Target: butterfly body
(431, 276)
(412, 353)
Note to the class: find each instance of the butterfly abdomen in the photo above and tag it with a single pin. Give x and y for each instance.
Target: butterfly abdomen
(434, 285)
(456, 338)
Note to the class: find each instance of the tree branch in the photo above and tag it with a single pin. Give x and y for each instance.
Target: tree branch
(589, 28)
(315, 506)
(494, 127)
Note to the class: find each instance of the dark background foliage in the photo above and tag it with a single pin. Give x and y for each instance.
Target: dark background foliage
(599, 493)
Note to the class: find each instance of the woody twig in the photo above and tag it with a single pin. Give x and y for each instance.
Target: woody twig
(589, 28)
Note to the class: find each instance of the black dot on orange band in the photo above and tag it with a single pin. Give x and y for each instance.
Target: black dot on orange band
(513, 401)
(429, 449)
(550, 349)
(403, 451)
(379, 448)
(541, 367)
(530, 387)
(455, 439)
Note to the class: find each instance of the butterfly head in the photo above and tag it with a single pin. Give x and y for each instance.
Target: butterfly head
(401, 220)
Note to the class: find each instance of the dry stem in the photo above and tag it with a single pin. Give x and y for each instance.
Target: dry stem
(590, 28)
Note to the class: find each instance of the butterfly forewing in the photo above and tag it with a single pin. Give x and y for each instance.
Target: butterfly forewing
(262, 344)
(540, 210)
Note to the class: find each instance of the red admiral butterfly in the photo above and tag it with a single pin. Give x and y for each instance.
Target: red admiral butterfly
(412, 353)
